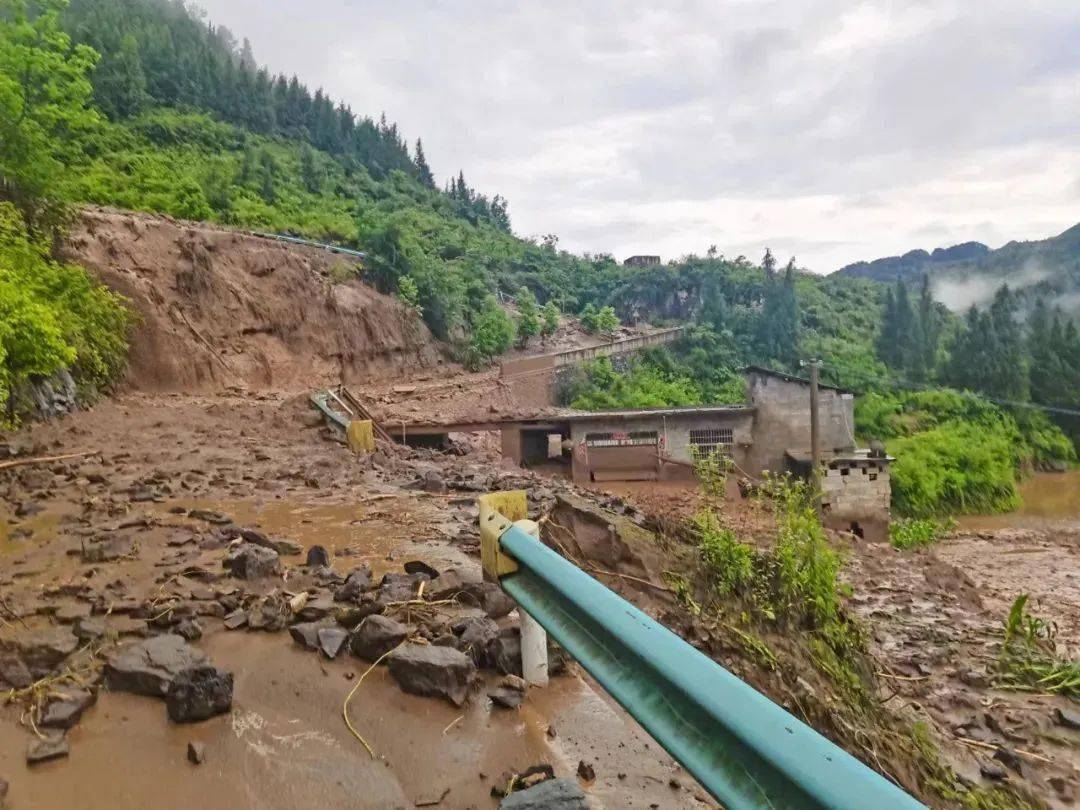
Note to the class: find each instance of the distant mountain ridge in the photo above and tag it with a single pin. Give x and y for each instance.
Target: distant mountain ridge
(969, 273)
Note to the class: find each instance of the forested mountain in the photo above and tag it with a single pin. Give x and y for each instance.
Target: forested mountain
(970, 273)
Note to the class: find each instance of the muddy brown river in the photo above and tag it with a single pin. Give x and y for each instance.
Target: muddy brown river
(1048, 498)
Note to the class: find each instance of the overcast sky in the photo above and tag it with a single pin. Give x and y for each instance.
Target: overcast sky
(832, 131)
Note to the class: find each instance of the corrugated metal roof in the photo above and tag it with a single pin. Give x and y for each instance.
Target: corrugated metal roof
(687, 410)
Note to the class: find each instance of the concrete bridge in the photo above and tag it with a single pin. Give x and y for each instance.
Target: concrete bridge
(541, 363)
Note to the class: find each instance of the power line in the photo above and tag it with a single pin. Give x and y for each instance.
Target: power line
(899, 383)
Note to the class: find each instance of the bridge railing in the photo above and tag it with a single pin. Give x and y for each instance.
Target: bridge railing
(744, 749)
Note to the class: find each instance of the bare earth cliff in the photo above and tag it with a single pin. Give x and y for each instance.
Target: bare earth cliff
(220, 308)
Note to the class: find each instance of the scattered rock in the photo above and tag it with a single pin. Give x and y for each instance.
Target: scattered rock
(14, 672)
(422, 669)
(67, 709)
(1067, 717)
(306, 634)
(108, 550)
(1010, 759)
(317, 557)
(432, 481)
(253, 562)
(974, 678)
(188, 629)
(474, 635)
(270, 614)
(27, 509)
(70, 613)
(376, 636)
(331, 641)
(198, 694)
(993, 771)
(399, 587)
(196, 753)
(492, 599)
(586, 771)
(531, 776)
(504, 652)
(358, 581)
(90, 628)
(447, 585)
(149, 667)
(506, 698)
(236, 620)
(420, 567)
(551, 794)
(53, 747)
(46, 649)
(318, 607)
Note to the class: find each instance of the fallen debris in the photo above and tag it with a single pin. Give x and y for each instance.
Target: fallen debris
(551, 794)
(376, 636)
(149, 667)
(253, 562)
(48, 748)
(431, 671)
(199, 694)
(196, 753)
(67, 708)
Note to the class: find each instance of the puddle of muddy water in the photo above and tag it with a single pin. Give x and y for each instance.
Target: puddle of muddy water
(1047, 498)
(285, 744)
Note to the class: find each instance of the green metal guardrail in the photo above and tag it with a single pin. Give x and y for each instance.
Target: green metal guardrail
(743, 748)
(296, 240)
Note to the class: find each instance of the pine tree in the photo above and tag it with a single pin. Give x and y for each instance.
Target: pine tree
(549, 322)
(422, 169)
(778, 324)
(310, 172)
(119, 81)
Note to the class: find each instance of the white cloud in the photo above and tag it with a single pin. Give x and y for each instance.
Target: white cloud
(837, 131)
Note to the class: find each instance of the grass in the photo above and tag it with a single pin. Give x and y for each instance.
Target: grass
(1029, 660)
(908, 533)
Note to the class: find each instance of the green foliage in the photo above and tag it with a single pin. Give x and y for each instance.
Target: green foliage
(44, 97)
(528, 322)
(52, 315)
(989, 355)
(599, 320)
(732, 564)
(956, 452)
(409, 294)
(493, 332)
(1029, 660)
(549, 319)
(644, 386)
(908, 533)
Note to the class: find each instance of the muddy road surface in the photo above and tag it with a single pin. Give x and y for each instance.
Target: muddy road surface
(128, 542)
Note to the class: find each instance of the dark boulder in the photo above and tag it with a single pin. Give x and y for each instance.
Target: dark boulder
(67, 708)
(422, 669)
(504, 652)
(358, 581)
(149, 667)
(249, 561)
(51, 747)
(331, 641)
(376, 636)
(198, 694)
(306, 634)
(317, 557)
(474, 636)
(552, 794)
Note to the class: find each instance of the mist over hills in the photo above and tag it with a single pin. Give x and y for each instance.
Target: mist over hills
(970, 272)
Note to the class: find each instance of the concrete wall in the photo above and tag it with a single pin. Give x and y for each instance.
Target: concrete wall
(782, 421)
(674, 430)
(856, 491)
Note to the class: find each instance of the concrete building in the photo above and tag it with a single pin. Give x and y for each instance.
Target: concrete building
(642, 261)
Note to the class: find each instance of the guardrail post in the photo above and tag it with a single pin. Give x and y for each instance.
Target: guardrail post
(534, 649)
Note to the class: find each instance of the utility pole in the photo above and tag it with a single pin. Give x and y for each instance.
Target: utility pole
(815, 432)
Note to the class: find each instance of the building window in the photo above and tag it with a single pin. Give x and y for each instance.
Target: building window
(636, 438)
(706, 441)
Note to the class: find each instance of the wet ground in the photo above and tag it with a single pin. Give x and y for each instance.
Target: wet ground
(1048, 499)
(285, 744)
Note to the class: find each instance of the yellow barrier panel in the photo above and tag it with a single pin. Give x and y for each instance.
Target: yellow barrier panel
(361, 436)
(497, 511)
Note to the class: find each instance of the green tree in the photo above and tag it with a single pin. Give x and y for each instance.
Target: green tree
(607, 322)
(528, 322)
(493, 333)
(409, 294)
(988, 354)
(423, 171)
(44, 99)
(588, 317)
(549, 320)
(119, 80)
(778, 327)
(310, 172)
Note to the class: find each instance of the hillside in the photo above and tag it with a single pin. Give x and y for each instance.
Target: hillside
(217, 308)
(970, 273)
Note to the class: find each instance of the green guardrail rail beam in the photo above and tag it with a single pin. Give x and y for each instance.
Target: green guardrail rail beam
(743, 748)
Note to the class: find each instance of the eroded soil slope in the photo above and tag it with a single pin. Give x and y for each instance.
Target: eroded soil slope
(221, 308)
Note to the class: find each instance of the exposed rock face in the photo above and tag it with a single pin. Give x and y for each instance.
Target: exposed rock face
(432, 671)
(199, 694)
(253, 562)
(553, 794)
(149, 667)
(376, 636)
